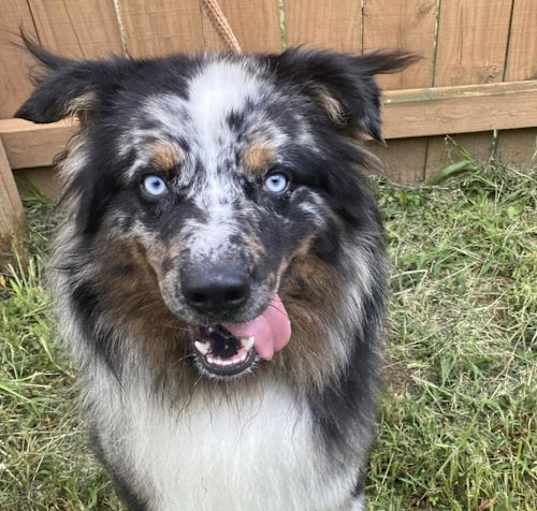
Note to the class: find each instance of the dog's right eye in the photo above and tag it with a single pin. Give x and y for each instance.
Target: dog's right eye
(154, 186)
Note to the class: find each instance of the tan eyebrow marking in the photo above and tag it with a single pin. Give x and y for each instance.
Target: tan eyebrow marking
(166, 155)
(258, 156)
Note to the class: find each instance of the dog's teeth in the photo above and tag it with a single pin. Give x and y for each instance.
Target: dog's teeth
(247, 342)
(202, 347)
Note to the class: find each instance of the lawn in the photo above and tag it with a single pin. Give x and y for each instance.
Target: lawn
(458, 426)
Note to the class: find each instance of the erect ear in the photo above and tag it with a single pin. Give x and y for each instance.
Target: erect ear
(68, 87)
(342, 84)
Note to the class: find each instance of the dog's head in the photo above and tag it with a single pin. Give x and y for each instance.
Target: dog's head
(201, 181)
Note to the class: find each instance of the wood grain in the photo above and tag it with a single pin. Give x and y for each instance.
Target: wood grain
(464, 109)
(472, 41)
(407, 114)
(402, 159)
(519, 147)
(34, 145)
(522, 56)
(43, 179)
(405, 24)
(15, 86)
(471, 49)
(335, 24)
(162, 27)
(77, 28)
(255, 24)
(409, 25)
(11, 212)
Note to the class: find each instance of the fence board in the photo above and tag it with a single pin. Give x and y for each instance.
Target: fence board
(519, 147)
(407, 114)
(78, 29)
(464, 109)
(163, 27)
(14, 63)
(34, 145)
(522, 56)
(402, 160)
(471, 48)
(403, 24)
(336, 24)
(255, 24)
(472, 41)
(11, 212)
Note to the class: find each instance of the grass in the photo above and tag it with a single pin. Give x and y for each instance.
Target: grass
(458, 427)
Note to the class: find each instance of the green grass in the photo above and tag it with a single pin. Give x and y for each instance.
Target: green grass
(458, 428)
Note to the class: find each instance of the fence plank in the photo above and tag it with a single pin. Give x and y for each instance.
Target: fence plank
(337, 24)
(464, 109)
(522, 56)
(34, 145)
(403, 24)
(407, 114)
(472, 41)
(471, 48)
(163, 27)
(242, 16)
(519, 147)
(402, 159)
(11, 212)
(78, 29)
(14, 63)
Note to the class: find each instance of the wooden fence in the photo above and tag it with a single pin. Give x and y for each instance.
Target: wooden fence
(474, 82)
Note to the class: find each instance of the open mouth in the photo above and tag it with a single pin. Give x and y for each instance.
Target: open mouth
(231, 349)
(220, 353)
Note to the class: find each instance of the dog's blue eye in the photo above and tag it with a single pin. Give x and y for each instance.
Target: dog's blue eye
(155, 185)
(276, 183)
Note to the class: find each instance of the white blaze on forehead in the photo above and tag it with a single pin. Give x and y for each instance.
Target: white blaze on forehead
(220, 88)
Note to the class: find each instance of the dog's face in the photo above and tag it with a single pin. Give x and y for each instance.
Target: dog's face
(214, 175)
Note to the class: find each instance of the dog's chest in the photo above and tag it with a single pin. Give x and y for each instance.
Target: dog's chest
(256, 453)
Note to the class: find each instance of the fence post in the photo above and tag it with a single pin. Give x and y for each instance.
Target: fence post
(11, 211)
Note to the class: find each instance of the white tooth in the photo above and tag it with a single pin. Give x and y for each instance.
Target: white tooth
(202, 347)
(211, 359)
(247, 342)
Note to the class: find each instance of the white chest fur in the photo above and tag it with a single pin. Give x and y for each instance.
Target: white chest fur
(250, 454)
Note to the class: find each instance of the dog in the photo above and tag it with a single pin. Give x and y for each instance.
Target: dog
(220, 272)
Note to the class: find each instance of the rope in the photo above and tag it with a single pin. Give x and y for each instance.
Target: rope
(121, 26)
(221, 24)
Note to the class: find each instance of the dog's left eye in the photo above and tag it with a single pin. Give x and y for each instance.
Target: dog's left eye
(276, 182)
(154, 185)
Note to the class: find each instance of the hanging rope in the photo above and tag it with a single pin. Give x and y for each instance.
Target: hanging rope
(221, 24)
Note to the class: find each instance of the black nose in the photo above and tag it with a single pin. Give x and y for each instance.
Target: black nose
(216, 288)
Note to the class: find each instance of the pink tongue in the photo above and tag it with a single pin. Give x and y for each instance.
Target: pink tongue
(271, 330)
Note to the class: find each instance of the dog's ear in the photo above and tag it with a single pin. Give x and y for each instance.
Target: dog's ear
(342, 84)
(66, 87)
